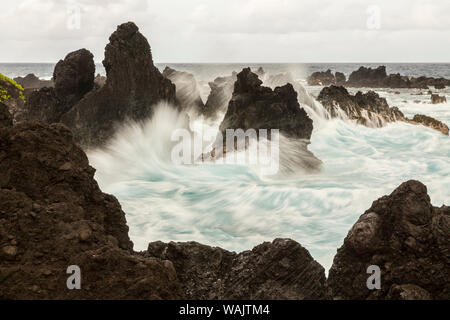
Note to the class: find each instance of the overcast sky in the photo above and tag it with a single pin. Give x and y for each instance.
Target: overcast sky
(233, 30)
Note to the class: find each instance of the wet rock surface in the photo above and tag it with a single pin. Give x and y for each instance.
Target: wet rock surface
(54, 215)
(282, 269)
(370, 109)
(31, 81)
(326, 78)
(408, 238)
(435, 99)
(254, 106)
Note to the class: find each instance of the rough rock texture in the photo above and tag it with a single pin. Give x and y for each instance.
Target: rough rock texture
(435, 99)
(75, 74)
(282, 269)
(220, 96)
(326, 78)
(430, 122)
(30, 81)
(6, 119)
(133, 86)
(407, 238)
(257, 107)
(366, 108)
(73, 77)
(53, 214)
(369, 109)
(187, 91)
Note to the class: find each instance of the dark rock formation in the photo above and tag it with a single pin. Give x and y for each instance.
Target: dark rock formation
(326, 78)
(256, 107)
(187, 91)
(75, 74)
(6, 119)
(30, 81)
(366, 108)
(369, 109)
(367, 77)
(220, 96)
(407, 238)
(53, 215)
(73, 77)
(439, 86)
(430, 122)
(133, 86)
(282, 269)
(435, 99)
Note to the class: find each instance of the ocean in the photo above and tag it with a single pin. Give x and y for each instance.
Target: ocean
(236, 208)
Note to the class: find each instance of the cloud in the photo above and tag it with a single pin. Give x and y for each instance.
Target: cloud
(232, 30)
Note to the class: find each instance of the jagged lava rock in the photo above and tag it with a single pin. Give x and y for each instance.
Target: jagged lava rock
(326, 78)
(430, 122)
(187, 91)
(407, 238)
(435, 99)
(133, 86)
(31, 81)
(254, 106)
(53, 215)
(282, 269)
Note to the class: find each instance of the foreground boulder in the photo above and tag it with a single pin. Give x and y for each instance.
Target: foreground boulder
(220, 96)
(326, 78)
(369, 109)
(407, 238)
(282, 269)
(187, 91)
(254, 106)
(53, 215)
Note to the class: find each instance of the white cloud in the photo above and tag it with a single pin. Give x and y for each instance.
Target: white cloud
(233, 30)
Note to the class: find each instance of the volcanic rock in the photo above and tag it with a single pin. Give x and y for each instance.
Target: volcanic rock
(430, 122)
(30, 81)
(407, 238)
(282, 269)
(257, 107)
(6, 119)
(326, 78)
(53, 215)
(435, 99)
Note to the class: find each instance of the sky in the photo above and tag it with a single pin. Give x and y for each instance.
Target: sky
(233, 30)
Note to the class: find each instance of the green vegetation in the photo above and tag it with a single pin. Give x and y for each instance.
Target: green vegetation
(4, 94)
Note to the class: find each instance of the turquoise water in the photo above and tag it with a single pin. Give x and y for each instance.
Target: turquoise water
(234, 207)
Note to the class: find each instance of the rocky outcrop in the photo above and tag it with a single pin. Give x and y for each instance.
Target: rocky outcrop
(407, 238)
(254, 106)
(99, 80)
(366, 108)
(54, 215)
(31, 81)
(430, 122)
(369, 109)
(6, 119)
(132, 87)
(435, 99)
(326, 78)
(187, 91)
(220, 96)
(282, 269)
(375, 78)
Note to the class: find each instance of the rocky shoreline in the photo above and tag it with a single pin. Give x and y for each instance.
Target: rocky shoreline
(53, 213)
